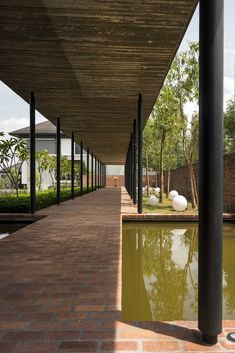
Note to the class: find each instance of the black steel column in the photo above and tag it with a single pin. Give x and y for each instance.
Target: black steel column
(95, 172)
(211, 169)
(125, 173)
(98, 170)
(72, 165)
(32, 154)
(81, 168)
(140, 154)
(87, 175)
(134, 162)
(104, 175)
(101, 174)
(131, 166)
(58, 152)
(92, 171)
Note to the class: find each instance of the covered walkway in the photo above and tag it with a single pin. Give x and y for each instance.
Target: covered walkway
(60, 286)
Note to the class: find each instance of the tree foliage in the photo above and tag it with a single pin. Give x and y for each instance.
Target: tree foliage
(13, 153)
(229, 127)
(175, 134)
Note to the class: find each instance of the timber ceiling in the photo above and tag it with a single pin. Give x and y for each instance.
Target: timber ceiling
(87, 61)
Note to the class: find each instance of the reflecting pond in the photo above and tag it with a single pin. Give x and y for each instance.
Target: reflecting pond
(8, 228)
(160, 269)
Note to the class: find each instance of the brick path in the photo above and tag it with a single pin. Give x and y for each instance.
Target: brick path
(60, 286)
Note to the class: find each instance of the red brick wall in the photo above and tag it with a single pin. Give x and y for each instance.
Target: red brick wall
(120, 182)
(180, 181)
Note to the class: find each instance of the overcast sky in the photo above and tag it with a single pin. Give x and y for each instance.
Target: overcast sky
(14, 112)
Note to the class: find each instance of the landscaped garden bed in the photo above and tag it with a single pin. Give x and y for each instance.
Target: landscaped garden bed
(10, 203)
(165, 207)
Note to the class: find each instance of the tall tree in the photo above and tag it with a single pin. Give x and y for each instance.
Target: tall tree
(166, 125)
(184, 79)
(42, 158)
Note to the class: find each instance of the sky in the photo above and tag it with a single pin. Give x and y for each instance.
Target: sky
(14, 111)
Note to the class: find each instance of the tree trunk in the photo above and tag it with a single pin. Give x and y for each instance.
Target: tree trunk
(195, 186)
(147, 173)
(191, 173)
(161, 167)
(168, 183)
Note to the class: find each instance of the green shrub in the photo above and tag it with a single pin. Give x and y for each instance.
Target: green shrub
(9, 203)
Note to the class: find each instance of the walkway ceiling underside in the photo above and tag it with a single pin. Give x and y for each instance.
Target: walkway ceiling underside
(87, 61)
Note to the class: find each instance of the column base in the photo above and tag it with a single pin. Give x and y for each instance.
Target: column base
(209, 339)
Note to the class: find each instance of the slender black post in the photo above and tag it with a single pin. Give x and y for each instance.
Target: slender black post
(72, 165)
(92, 171)
(32, 154)
(81, 168)
(95, 172)
(98, 170)
(134, 162)
(58, 152)
(140, 159)
(211, 169)
(105, 175)
(102, 175)
(131, 165)
(87, 174)
(128, 171)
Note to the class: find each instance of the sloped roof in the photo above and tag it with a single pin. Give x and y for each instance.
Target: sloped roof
(44, 129)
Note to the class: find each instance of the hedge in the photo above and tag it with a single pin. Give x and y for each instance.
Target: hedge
(9, 203)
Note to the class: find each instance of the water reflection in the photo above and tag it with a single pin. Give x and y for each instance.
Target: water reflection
(160, 264)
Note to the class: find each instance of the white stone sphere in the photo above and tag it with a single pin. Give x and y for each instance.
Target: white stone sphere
(157, 190)
(179, 203)
(173, 194)
(153, 201)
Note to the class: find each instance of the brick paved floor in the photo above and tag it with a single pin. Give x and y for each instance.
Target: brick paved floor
(60, 286)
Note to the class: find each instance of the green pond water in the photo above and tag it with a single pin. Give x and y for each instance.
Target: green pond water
(160, 269)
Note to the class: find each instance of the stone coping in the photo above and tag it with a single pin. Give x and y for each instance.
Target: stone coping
(159, 217)
(127, 217)
(20, 217)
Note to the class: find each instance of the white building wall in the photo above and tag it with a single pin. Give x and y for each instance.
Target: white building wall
(50, 146)
(115, 169)
(66, 147)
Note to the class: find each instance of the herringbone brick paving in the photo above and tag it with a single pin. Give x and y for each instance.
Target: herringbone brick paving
(60, 286)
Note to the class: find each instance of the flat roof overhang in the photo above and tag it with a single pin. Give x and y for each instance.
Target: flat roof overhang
(87, 61)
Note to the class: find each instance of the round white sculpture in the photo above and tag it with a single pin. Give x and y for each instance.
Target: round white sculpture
(179, 203)
(153, 200)
(157, 190)
(173, 194)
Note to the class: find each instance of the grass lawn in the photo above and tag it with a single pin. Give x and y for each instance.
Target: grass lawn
(165, 207)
